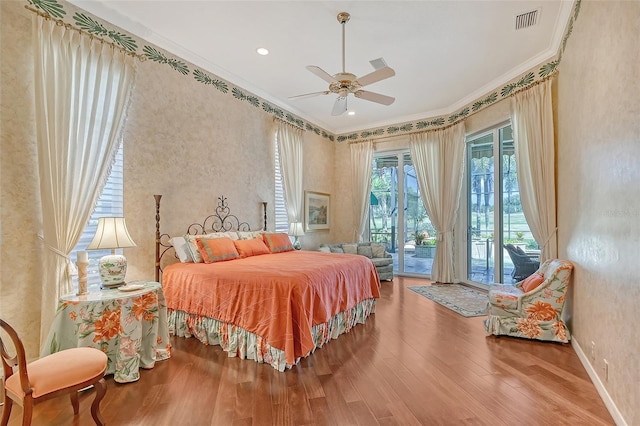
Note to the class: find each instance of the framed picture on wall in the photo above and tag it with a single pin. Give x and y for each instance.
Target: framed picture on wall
(316, 211)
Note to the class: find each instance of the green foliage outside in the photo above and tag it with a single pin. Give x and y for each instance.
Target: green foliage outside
(515, 227)
(419, 229)
(383, 216)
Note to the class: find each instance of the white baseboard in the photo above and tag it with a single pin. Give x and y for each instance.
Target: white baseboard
(602, 391)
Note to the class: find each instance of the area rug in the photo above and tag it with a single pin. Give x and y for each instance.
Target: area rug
(460, 299)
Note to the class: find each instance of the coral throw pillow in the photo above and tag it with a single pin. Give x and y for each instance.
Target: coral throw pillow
(532, 282)
(277, 243)
(252, 247)
(217, 249)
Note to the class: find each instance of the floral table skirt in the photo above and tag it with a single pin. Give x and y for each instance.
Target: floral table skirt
(130, 327)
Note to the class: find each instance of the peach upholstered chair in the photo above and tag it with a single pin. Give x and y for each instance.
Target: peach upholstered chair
(532, 308)
(64, 372)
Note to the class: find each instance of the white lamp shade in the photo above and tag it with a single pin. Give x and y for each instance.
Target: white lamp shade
(112, 233)
(295, 229)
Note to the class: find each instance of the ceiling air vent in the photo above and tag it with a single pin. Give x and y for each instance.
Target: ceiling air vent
(527, 19)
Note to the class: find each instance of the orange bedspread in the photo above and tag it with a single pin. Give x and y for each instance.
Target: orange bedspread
(279, 297)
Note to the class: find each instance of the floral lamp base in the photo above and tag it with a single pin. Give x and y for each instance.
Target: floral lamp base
(113, 268)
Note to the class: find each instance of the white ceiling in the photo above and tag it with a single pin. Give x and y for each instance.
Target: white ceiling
(445, 53)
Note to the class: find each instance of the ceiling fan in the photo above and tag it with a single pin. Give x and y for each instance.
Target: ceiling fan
(344, 83)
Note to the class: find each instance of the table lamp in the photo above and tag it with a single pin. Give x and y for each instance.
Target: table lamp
(296, 230)
(112, 234)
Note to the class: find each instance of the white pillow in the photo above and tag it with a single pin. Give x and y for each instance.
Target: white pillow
(182, 249)
(324, 249)
(248, 235)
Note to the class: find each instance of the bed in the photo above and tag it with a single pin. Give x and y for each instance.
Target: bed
(273, 307)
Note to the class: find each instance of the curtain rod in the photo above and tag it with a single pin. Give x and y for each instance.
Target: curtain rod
(551, 75)
(91, 36)
(409, 133)
(275, 118)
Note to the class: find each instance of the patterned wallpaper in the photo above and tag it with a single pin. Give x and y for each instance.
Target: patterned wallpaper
(598, 146)
(82, 20)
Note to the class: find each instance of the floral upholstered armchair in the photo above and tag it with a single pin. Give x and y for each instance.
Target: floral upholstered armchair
(533, 307)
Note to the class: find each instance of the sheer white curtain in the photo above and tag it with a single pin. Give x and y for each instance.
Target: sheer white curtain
(361, 166)
(291, 162)
(532, 121)
(438, 158)
(82, 87)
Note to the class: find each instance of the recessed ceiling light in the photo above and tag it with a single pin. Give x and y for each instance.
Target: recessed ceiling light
(262, 51)
(351, 113)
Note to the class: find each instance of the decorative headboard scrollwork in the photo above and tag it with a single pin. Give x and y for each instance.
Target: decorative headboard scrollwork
(220, 221)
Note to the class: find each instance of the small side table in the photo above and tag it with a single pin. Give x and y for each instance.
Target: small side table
(130, 327)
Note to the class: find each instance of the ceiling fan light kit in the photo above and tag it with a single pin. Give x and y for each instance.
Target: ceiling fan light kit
(344, 83)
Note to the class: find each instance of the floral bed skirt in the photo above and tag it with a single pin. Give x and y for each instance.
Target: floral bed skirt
(237, 341)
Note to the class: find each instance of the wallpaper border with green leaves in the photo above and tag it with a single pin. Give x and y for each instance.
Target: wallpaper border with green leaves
(527, 79)
(83, 21)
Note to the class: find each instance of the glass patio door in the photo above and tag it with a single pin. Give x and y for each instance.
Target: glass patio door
(406, 232)
(494, 211)
(480, 202)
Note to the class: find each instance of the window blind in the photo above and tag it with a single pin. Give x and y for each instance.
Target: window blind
(281, 217)
(110, 203)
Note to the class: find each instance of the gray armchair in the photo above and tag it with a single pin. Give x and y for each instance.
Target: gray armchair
(382, 260)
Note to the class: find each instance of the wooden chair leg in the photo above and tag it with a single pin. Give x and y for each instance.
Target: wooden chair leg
(74, 401)
(27, 411)
(6, 411)
(101, 389)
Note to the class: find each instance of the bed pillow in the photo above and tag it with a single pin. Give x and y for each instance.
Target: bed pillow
(193, 248)
(277, 243)
(252, 247)
(217, 249)
(182, 249)
(324, 249)
(249, 235)
(532, 282)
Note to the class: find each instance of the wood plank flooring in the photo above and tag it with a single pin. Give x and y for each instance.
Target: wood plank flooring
(413, 363)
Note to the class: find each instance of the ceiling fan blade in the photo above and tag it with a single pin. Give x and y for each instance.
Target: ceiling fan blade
(309, 95)
(377, 75)
(340, 106)
(374, 97)
(321, 73)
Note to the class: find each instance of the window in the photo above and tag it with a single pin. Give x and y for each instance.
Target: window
(494, 212)
(406, 232)
(110, 203)
(281, 217)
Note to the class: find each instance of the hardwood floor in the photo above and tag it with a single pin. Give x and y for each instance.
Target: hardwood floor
(413, 363)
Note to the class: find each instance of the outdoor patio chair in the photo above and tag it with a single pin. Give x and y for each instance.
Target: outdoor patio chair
(523, 265)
